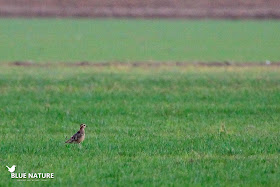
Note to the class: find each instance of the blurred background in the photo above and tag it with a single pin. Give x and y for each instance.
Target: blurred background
(140, 30)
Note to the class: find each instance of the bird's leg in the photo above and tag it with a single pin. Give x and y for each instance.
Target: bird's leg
(80, 146)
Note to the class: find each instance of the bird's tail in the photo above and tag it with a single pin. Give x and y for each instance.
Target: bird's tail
(8, 167)
(69, 141)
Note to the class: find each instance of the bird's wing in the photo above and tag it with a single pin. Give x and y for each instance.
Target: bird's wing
(76, 136)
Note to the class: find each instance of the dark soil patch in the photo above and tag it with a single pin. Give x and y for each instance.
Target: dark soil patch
(146, 64)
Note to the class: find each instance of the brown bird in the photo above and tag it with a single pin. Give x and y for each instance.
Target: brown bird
(79, 136)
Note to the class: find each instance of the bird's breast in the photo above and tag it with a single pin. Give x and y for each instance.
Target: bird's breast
(81, 138)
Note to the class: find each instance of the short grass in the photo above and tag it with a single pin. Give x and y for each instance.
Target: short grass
(103, 40)
(146, 126)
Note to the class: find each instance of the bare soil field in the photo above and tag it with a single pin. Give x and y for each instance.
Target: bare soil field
(145, 8)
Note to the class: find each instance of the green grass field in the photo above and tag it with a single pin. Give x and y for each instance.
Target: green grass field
(146, 126)
(103, 40)
(159, 125)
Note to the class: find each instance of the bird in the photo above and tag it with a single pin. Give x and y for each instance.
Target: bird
(79, 136)
(12, 169)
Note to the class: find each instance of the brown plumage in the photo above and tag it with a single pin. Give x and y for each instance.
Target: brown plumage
(79, 136)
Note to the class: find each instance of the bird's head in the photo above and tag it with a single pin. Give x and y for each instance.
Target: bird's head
(14, 166)
(82, 126)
